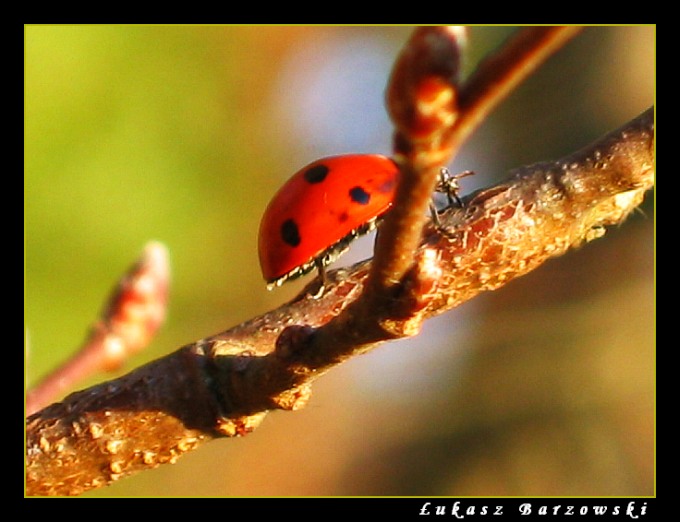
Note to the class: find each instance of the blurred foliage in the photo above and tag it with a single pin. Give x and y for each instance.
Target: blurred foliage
(182, 133)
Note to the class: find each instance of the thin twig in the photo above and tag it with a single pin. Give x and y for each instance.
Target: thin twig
(497, 75)
(134, 312)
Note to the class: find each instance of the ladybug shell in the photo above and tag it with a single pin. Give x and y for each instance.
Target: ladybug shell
(319, 210)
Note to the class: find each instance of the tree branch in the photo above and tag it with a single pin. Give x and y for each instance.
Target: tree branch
(224, 385)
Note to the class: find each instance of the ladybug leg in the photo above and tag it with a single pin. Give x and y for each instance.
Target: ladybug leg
(323, 278)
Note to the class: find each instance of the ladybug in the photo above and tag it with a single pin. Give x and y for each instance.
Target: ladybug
(316, 214)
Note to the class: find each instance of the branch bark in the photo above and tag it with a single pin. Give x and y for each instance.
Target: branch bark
(224, 385)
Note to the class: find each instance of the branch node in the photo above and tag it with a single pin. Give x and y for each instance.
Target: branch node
(414, 295)
(293, 342)
(239, 426)
(294, 398)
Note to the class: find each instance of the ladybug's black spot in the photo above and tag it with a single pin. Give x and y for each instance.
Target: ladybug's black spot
(316, 174)
(359, 195)
(290, 233)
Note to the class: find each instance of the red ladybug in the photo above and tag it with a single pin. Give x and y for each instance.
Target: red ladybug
(312, 219)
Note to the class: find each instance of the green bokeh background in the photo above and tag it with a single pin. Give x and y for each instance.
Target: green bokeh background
(175, 134)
